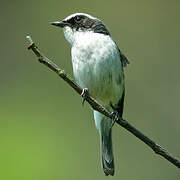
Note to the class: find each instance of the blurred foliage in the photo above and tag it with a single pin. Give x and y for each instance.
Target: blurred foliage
(46, 133)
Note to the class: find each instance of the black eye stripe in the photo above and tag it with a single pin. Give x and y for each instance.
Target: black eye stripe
(84, 23)
(78, 18)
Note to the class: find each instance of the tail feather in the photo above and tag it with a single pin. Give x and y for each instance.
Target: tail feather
(107, 153)
(104, 126)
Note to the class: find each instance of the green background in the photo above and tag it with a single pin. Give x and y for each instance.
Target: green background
(45, 133)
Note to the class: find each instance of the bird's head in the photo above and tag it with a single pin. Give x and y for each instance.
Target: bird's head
(79, 23)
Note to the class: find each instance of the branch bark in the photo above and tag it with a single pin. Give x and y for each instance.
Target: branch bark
(98, 107)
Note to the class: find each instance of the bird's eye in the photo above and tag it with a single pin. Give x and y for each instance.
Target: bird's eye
(78, 18)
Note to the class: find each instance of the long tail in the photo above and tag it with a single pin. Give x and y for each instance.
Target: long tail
(104, 127)
(107, 153)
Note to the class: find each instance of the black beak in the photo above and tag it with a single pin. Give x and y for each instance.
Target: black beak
(59, 23)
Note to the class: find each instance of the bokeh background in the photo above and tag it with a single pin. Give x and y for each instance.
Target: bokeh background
(45, 133)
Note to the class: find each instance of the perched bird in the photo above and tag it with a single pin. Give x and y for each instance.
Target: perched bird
(98, 66)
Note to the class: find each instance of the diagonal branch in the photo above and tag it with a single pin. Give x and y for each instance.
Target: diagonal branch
(98, 107)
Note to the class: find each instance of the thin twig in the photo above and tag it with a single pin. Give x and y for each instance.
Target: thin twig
(98, 107)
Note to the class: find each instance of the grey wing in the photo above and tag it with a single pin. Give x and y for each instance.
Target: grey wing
(120, 105)
(123, 58)
(124, 62)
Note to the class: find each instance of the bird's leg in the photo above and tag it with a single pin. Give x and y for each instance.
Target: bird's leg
(115, 113)
(116, 117)
(84, 94)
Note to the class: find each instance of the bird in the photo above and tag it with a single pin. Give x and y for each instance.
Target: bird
(98, 66)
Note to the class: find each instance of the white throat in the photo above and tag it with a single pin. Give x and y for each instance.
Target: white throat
(81, 37)
(69, 34)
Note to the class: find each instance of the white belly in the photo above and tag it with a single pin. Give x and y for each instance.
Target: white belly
(97, 66)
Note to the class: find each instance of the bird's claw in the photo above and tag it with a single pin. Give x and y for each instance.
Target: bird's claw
(116, 117)
(84, 94)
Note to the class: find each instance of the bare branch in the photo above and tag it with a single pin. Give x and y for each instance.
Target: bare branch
(98, 107)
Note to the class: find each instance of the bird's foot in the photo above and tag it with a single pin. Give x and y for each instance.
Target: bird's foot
(84, 94)
(116, 117)
(115, 113)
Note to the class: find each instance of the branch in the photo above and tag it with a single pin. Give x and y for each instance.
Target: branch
(98, 107)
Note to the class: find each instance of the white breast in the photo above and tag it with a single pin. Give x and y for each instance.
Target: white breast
(97, 66)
